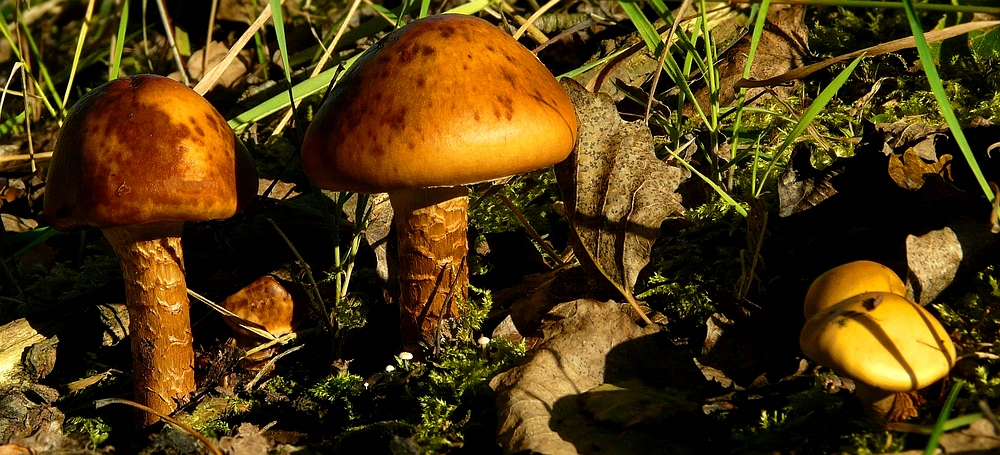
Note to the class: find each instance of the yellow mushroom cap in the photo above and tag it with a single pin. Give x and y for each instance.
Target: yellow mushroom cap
(848, 280)
(881, 339)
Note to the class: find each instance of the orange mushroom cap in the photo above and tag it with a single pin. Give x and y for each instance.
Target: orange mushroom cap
(264, 303)
(143, 149)
(446, 100)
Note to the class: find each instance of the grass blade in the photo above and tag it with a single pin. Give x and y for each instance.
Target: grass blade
(942, 98)
(932, 443)
(79, 48)
(814, 109)
(642, 24)
(116, 57)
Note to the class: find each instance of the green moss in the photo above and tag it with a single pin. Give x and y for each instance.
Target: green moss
(339, 390)
(532, 196)
(92, 428)
(66, 280)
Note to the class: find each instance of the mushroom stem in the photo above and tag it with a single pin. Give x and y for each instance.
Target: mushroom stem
(431, 224)
(884, 406)
(876, 402)
(152, 264)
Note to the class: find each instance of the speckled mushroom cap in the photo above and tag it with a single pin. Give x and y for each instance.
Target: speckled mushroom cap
(445, 100)
(143, 149)
(881, 339)
(264, 302)
(848, 280)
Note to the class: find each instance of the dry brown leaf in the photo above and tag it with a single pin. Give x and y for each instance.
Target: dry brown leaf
(783, 45)
(909, 171)
(380, 238)
(616, 191)
(571, 361)
(802, 187)
(981, 437)
(248, 441)
(933, 260)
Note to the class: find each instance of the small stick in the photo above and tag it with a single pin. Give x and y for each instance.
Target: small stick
(106, 401)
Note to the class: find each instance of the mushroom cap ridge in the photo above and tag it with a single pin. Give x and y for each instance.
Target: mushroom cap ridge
(446, 100)
(143, 149)
(881, 339)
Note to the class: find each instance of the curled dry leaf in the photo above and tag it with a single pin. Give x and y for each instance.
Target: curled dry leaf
(616, 191)
(802, 186)
(909, 171)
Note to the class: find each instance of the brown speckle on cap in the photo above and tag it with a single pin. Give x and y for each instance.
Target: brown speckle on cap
(464, 103)
(143, 149)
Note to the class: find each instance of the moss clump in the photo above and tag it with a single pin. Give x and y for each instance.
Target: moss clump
(92, 429)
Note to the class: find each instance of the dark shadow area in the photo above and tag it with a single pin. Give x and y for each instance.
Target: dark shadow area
(650, 402)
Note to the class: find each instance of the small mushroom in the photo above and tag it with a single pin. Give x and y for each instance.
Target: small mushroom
(848, 280)
(887, 344)
(264, 310)
(443, 102)
(137, 157)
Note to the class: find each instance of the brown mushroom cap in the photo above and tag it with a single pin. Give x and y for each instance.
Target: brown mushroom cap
(446, 100)
(266, 303)
(848, 280)
(881, 339)
(143, 149)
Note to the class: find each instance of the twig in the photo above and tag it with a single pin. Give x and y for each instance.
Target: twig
(173, 44)
(314, 297)
(267, 366)
(209, 78)
(884, 48)
(106, 401)
(531, 231)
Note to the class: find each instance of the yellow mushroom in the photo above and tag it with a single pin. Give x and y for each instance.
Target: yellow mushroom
(848, 280)
(887, 344)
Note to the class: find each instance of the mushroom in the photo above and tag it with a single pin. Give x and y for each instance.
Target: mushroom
(136, 158)
(262, 311)
(264, 304)
(443, 102)
(887, 344)
(848, 280)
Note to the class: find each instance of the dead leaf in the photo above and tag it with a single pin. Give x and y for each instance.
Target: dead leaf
(903, 133)
(27, 419)
(802, 186)
(570, 361)
(981, 437)
(248, 441)
(380, 238)
(933, 260)
(616, 191)
(909, 171)
(783, 45)
(632, 403)
(216, 52)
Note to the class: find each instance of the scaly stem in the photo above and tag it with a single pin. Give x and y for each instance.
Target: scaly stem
(431, 226)
(152, 264)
